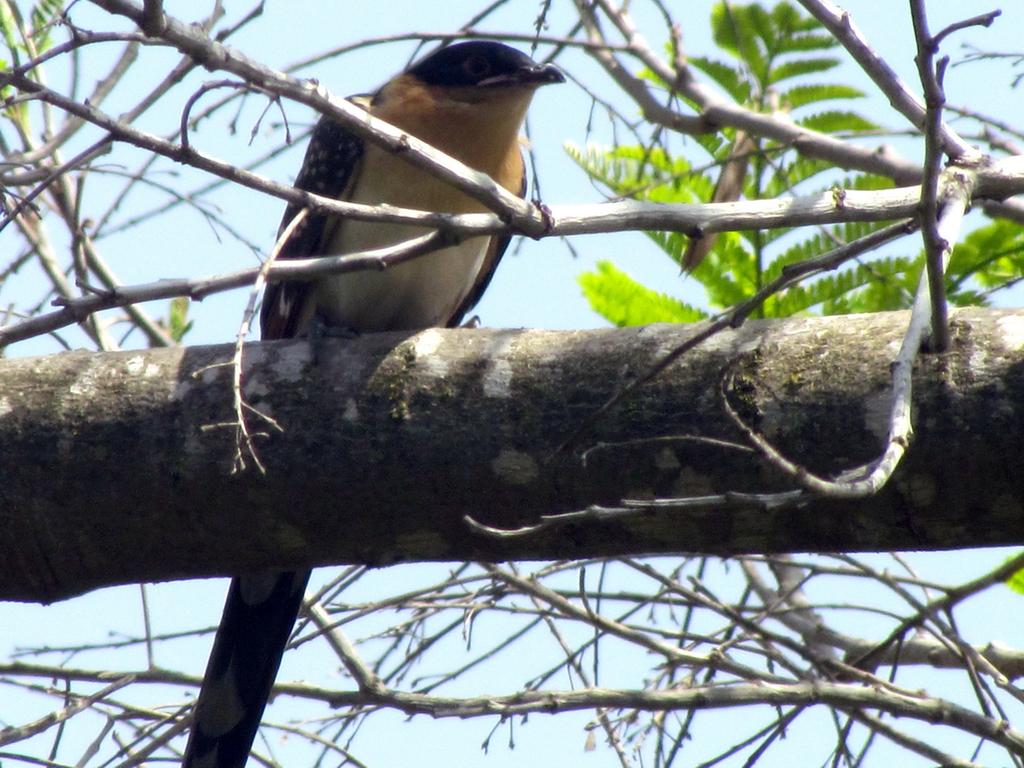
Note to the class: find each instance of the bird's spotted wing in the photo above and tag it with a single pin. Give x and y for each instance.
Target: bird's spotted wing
(329, 168)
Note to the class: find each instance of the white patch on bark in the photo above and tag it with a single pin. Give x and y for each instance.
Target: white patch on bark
(137, 366)
(876, 414)
(87, 382)
(427, 342)
(515, 467)
(1012, 328)
(290, 364)
(424, 346)
(351, 412)
(254, 388)
(498, 376)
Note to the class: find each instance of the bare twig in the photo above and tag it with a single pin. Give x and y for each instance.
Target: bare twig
(78, 704)
(870, 478)
(243, 437)
(76, 308)
(343, 648)
(717, 112)
(842, 26)
(216, 55)
(935, 247)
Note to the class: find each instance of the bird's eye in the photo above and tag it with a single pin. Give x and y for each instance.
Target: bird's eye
(476, 66)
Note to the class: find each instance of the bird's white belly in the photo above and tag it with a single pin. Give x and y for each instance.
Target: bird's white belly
(416, 294)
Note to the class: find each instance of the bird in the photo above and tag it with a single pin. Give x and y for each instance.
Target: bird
(469, 100)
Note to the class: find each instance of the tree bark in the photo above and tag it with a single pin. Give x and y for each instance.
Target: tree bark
(118, 467)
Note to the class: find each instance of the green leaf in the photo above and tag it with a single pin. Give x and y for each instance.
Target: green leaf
(868, 182)
(178, 323)
(786, 176)
(740, 263)
(713, 143)
(8, 28)
(729, 273)
(798, 67)
(1016, 581)
(735, 29)
(726, 76)
(622, 301)
(644, 173)
(801, 43)
(834, 121)
(44, 13)
(992, 255)
(803, 95)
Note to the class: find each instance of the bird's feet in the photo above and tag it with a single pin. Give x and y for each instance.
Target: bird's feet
(319, 330)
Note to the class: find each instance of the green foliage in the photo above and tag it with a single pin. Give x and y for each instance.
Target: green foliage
(1016, 581)
(776, 58)
(25, 42)
(727, 76)
(758, 37)
(992, 256)
(33, 38)
(44, 13)
(622, 300)
(639, 171)
(837, 121)
(800, 67)
(803, 95)
(8, 28)
(177, 323)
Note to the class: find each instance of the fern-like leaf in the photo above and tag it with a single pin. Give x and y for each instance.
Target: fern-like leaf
(624, 302)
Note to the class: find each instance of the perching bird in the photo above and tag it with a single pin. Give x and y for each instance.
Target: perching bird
(468, 100)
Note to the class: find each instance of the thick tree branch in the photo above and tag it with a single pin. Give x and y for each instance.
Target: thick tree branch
(390, 441)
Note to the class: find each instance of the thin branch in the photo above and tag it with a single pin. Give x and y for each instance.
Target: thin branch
(907, 741)
(946, 603)
(78, 704)
(75, 309)
(718, 112)
(344, 649)
(906, 102)
(935, 247)
(214, 55)
(981, 20)
(243, 436)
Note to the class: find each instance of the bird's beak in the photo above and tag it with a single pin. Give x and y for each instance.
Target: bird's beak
(533, 75)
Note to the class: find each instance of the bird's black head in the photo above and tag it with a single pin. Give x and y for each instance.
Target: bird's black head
(483, 64)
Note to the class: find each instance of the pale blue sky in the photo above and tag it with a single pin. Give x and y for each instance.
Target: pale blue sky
(535, 287)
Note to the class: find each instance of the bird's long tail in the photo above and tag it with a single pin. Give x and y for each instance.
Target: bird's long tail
(259, 615)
